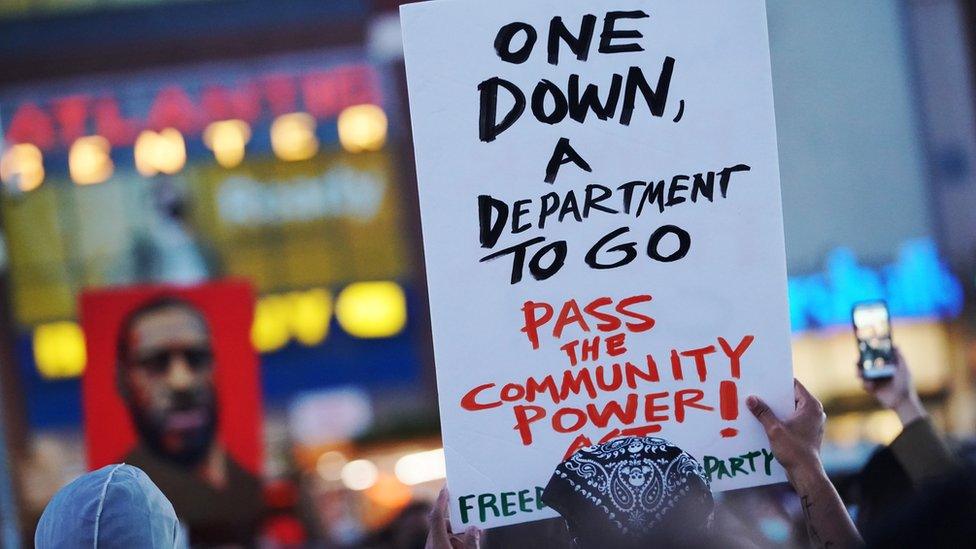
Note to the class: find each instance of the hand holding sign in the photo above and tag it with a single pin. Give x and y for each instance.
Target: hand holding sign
(439, 535)
(795, 440)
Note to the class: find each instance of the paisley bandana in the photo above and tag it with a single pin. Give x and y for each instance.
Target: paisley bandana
(633, 489)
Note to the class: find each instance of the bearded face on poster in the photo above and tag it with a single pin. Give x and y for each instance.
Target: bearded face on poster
(165, 376)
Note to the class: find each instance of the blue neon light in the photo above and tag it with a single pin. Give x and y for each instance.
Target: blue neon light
(917, 285)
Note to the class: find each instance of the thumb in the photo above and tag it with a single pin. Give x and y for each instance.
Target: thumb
(438, 513)
(472, 538)
(438, 536)
(762, 412)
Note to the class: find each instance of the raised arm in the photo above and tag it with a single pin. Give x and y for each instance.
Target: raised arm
(919, 448)
(795, 442)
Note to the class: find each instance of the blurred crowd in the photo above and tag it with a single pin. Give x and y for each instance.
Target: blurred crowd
(920, 490)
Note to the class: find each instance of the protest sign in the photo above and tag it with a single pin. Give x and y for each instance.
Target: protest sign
(600, 203)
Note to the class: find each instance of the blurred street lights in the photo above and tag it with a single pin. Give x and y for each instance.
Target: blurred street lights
(22, 165)
(160, 152)
(227, 139)
(293, 136)
(89, 160)
(362, 128)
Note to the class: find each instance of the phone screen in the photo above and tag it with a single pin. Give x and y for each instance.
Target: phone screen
(872, 326)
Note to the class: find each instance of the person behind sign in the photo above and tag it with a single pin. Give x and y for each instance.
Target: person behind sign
(632, 492)
(165, 376)
(916, 458)
(938, 506)
(919, 448)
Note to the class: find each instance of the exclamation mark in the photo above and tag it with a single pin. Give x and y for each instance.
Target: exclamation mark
(728, 396)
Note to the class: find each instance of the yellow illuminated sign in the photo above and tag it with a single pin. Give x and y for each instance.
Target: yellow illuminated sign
(270, 330)
(311, 312)
(303, 316)
(372, 309)
(363, 309)
(59, 350)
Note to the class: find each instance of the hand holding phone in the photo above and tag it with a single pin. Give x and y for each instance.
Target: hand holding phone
(872, 328)
(897, 393)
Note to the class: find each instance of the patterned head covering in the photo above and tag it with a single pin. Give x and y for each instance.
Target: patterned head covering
(632, 490)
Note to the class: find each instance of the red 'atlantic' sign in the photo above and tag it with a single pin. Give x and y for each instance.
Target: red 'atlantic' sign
(55, 122)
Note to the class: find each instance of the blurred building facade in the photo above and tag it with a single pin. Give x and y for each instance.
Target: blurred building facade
(175, 142)
(876, 133)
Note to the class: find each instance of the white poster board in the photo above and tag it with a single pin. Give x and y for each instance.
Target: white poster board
(600, 203)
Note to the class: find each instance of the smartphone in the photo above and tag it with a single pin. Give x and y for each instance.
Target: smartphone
(872, 327)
